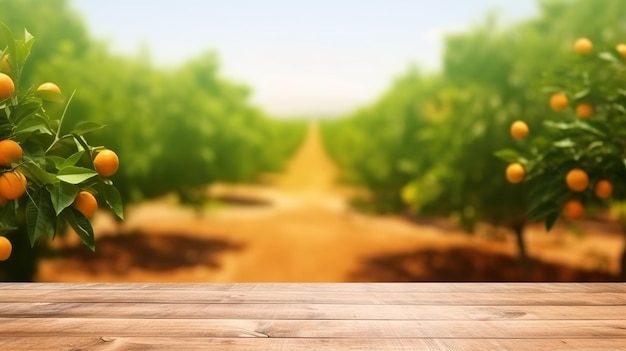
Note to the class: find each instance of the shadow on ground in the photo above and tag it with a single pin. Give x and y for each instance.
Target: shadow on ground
(467, 265)
(117, 254)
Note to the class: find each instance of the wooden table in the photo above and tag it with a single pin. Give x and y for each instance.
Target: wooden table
(351, 316)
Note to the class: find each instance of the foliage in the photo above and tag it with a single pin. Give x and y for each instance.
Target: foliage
(592, 142)
(51, 165)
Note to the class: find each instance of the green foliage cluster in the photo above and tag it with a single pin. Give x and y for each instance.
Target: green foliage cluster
(573, 140)
(427, 146)
(54, 162)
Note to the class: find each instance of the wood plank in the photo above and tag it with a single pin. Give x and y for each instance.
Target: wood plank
(247, 297)
(307, 311)
(334, 287)
(360, 329)
(286, 344)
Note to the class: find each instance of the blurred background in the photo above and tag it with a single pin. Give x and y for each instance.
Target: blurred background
(320, 141)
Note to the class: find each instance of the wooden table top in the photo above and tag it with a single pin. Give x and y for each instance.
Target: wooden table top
(285, 316)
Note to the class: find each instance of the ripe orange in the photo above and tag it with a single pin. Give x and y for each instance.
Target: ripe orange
(621, 49)
(5, 248)
(573, 210)
(12, 185)
(85, 203)
(10, 152)
(584, 110)
(106, 163)
(3, 201)
(49, 87)
(583, 46)
(519, 130)
(558, 102)
(7, 88)
(577, 180)
(515, 173)
(603, 189)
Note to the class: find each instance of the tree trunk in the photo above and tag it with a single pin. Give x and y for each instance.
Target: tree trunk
(518, 229)
(622, 271)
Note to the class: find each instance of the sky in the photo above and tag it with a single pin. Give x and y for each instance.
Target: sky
(301, 58)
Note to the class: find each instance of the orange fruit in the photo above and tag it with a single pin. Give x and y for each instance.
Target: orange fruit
(621, 49)
(12, 185)
(519, 130)
(3, 201)
(106, 163)
(7, 88)
(603, 189)
(558, 102)
(573, 210)
(5, 248)
(85, 203)
(584, 110)
(10, 152)
(577, 180)
(49, 87)
(515, 173)
(583, 46)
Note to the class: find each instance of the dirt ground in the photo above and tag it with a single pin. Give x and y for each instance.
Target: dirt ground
(299, 229)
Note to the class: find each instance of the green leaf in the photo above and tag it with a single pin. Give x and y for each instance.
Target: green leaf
(24, 109)
(72, 160)
(565, 143)
(32, 124)
(40, 217)
(86, 127)
(35, 173)
(9, 38)
(62, 195)
(508, 155)
(551, 220)
(557, 125)
(75, 175)
(7, 219)
(57, 161)
(581, 94)
(81, 226)
(607, 57)
(113, 199)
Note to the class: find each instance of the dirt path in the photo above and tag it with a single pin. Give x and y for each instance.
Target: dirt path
(307, 233)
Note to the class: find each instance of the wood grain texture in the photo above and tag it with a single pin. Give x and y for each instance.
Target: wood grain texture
(352, 316)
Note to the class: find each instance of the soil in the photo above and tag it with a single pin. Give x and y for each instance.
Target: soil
(298, 228)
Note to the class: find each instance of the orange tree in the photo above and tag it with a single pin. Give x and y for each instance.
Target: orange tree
(50, 179)
(578, 161)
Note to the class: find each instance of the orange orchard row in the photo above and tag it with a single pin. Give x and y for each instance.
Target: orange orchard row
(576, 179)
(13, 183)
